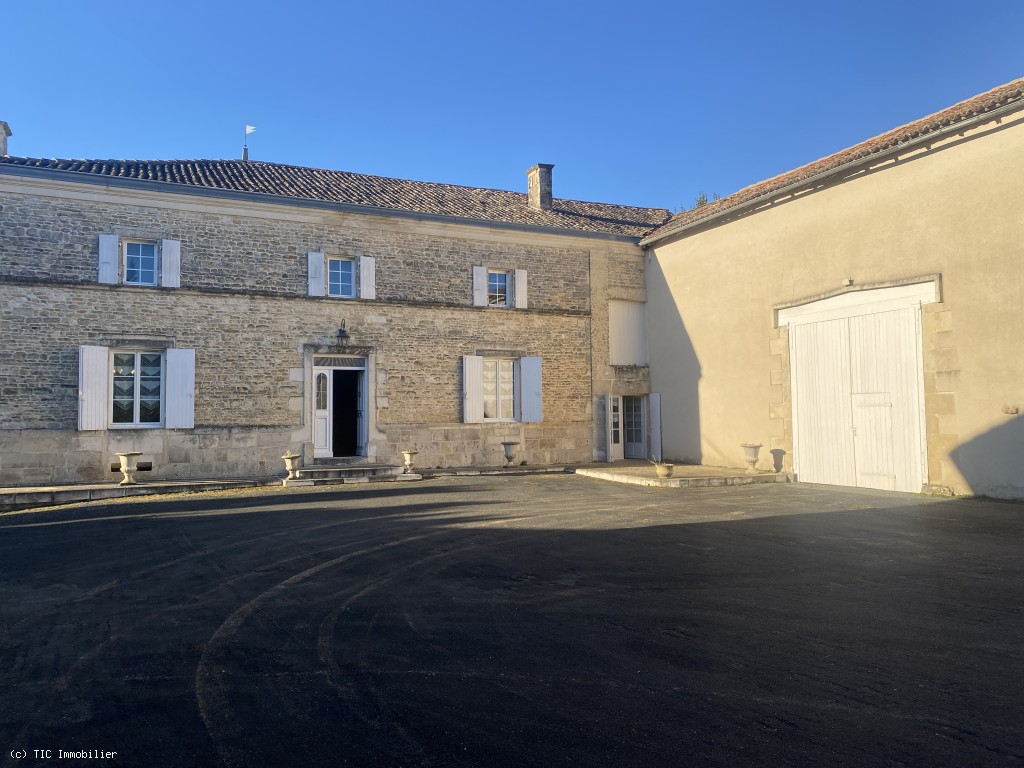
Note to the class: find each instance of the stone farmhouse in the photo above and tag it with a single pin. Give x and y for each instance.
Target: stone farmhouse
(860, 317)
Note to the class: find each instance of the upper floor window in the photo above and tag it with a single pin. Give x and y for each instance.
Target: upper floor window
(493, 287)
(497, 288)
(139, 263)
(341, 278)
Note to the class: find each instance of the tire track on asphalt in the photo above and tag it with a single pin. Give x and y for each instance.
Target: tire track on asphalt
(211, 696)
(60, 683)
(438, 561)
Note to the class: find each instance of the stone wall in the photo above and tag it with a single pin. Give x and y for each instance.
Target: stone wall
(243, 307)
(55, 239)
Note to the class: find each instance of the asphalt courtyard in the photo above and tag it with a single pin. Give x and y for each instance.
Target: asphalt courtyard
(514, 621)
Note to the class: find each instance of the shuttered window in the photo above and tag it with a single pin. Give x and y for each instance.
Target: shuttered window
(502, 389)
(139, 262)
(499, 287)
(627, 339)
(341, 277)
(135, 388)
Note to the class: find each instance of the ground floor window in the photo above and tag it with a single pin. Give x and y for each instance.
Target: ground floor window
(502, 389)
(499, 381)
(137, 388)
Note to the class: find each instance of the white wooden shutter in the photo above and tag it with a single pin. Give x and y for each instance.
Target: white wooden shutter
(479, 286)
(93, 382)
(627, 341)
(170, 263)
(519, 289)
(472, 389)
(655, 400)
(367, 277)
(317, 285)
(180, 389)
(108, 258)
(532, 407)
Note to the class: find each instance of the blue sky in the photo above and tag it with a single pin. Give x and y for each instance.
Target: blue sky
(642, 103)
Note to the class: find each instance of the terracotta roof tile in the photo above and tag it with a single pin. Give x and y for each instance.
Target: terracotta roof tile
(360, 189)
(877, 146)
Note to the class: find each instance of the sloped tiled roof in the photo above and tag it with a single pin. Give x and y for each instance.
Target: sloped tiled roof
(878, 146)
(291, 181)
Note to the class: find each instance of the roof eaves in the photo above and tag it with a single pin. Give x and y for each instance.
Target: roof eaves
(924, 135)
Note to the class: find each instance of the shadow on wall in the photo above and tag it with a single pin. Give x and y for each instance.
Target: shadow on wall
(675, 370)
(991, 463)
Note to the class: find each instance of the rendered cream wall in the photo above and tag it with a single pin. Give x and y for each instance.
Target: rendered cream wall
(956, 209)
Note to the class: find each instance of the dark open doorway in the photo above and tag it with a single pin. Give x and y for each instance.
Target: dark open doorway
(345, 412)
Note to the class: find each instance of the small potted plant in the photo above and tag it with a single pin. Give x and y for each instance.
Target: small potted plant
(663, 468)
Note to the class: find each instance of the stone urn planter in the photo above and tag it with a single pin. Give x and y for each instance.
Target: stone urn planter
(664, 469)
(129, 466)
(291, 463)
(750, 456)
(510, 452)
(408, 457)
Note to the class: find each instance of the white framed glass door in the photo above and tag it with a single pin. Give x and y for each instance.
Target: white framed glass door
(322, 432)
(633, 427)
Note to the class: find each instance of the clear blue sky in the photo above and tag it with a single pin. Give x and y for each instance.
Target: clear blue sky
(646, 102)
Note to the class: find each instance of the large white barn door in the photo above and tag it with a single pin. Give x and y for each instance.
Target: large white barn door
(856, 385)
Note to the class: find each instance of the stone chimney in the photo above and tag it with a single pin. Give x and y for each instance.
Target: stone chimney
(539, 186)
(5, 131)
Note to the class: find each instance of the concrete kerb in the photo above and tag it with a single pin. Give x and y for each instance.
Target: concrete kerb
(694, 481)
(13, 499)
(635, 473)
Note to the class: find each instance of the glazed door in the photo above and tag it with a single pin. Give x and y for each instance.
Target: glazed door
(633, 427)
(322, 432)
(615, 431)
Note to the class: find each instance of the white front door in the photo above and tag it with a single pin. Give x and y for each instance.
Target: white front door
(322, 432)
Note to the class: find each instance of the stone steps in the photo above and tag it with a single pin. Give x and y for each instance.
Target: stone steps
(344, 471)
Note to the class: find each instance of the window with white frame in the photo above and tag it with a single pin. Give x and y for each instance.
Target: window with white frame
(137, 388)
(342, 277)
(139, 262)
(120, 388)
(501, 389)
(496, 287)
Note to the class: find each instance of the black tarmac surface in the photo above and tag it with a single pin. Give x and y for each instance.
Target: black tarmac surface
(525, 621)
